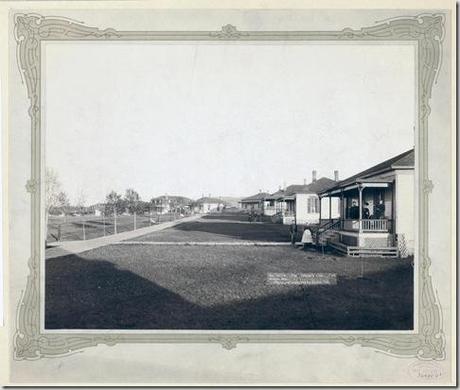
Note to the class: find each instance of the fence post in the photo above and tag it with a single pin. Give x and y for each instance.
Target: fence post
(84, 232)
(103, 222)
(134, 221)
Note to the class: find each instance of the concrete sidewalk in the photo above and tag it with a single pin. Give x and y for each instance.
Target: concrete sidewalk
(73, 247)
(205, 243)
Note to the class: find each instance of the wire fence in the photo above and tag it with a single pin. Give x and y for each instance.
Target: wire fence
(74, 228)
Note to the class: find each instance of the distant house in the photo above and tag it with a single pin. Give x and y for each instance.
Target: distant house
(255, 203)
(97, 209)
(230, 201)
(303, 204)
(376, 210)
(161, 204)
(208, 204)
(274, 204)
(165, 204)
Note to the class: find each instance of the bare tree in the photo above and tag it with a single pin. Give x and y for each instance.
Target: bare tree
(55, 198)
(114, 205)
(80, 201)
(132, 200)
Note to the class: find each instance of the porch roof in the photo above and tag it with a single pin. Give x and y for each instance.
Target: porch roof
(376, 174)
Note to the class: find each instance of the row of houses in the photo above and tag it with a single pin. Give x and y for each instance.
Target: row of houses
(166, 204)
(207, 204)
(369, 213)
(297, 203)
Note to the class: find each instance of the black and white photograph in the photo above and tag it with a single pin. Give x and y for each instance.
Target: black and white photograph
(274, 194)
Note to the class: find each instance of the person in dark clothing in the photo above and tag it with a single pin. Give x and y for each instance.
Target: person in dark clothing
(293, 232)
(354, 211)
(366, 212)
(380, 210)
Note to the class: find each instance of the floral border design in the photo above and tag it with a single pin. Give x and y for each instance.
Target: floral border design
(427, 31)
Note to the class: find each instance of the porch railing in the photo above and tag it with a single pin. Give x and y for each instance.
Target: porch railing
(367, 225)
(375, 225)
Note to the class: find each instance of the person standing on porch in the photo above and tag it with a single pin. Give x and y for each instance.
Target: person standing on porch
(380, 210)
(366, 212)
(354, 210)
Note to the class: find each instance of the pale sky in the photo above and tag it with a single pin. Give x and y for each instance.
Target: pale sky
(225, 119)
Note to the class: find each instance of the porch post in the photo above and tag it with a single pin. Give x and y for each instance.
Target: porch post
(342, 209)
(393, 222)
(360, 205)
(320, 199)
(330, 209)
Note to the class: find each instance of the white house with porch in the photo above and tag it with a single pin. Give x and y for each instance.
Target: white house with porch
(376, 211)
(161, 204)
(302, 204)
(274, 203)
(254, 203)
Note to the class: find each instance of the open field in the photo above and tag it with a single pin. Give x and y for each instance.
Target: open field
(90, 226)
(141, 286)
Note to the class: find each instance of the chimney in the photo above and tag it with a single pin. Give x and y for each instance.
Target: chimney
(304, 182)
(336, 175)
(313, 176)
(260, 191)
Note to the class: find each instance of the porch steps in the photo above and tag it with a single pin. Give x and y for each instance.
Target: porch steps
(325, 237)
(339, 247)
(356, 251)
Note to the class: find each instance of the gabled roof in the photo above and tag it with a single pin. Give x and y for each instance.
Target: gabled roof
(321, 185)
(404, 160)
(314, 187)
(296, 188)
(256, 198)
(208, 199)
(175, 198)
(276, 195)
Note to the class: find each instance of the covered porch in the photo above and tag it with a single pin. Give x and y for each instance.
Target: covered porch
(286, 209)
(274, 206)
(366, 218)
(364, 207)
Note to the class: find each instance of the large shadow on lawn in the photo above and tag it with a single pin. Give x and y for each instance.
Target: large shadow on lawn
(94, 294)
(379, 301)
(241, 231)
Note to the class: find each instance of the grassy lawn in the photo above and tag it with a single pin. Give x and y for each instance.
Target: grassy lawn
(221, 229)
(158, 287)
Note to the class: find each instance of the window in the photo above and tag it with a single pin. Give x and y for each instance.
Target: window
(312, 205)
